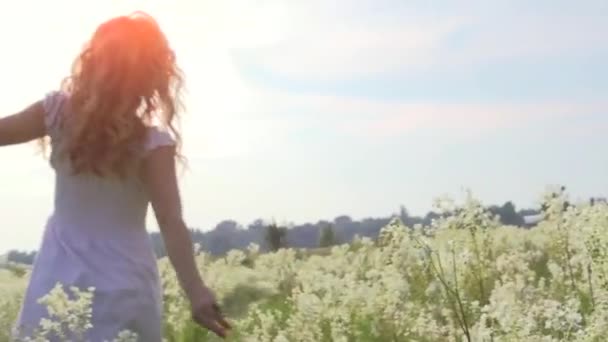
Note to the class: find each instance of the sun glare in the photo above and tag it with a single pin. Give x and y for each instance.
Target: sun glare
(204, 34)
(219, 101)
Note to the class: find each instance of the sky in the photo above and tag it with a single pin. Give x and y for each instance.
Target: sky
(307, 110)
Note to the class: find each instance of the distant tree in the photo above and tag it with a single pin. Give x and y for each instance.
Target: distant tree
(229, 234)
(596, 200)
(227, 226)
(404, 215)
(327, 237)
(257, 225)
(17, 270)
(275, 237)
(509, 216)
(343, 220)
(430, 216)
(528, 212)
(219, 242)
(18, 257)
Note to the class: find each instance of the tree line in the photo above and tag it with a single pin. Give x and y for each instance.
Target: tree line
(229, 234)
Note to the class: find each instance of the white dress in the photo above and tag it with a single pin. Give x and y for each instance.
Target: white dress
(96, 237)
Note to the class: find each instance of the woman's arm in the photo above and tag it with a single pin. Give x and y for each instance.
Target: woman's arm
(161, 182)
(24, 126)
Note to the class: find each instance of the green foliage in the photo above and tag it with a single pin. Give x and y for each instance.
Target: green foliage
(327, 237)
(16, 270)
(275, 237)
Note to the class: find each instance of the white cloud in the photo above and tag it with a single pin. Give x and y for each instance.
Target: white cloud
(369, 118)
(340, 46)
(327, 41)
(495, 38)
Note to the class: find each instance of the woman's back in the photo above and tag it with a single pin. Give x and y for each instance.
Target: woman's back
(96, 237)
(105, 207)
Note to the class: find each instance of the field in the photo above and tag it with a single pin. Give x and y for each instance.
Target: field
(9, 282)
(464, 278)
(11, 287)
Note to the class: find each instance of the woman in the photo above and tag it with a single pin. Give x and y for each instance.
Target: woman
(114, 147)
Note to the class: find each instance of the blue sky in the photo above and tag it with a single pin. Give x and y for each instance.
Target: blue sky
(306, 110)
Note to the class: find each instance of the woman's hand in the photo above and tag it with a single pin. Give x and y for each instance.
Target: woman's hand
(206, 312)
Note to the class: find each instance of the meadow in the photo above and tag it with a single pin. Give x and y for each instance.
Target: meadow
(465, 277)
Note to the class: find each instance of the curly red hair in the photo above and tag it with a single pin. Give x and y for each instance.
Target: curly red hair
(125, 79)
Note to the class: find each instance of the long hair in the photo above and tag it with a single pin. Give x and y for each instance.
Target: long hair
(125, 79)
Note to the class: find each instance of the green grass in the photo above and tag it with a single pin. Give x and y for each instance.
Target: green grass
(10, 284)
(11, 289)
